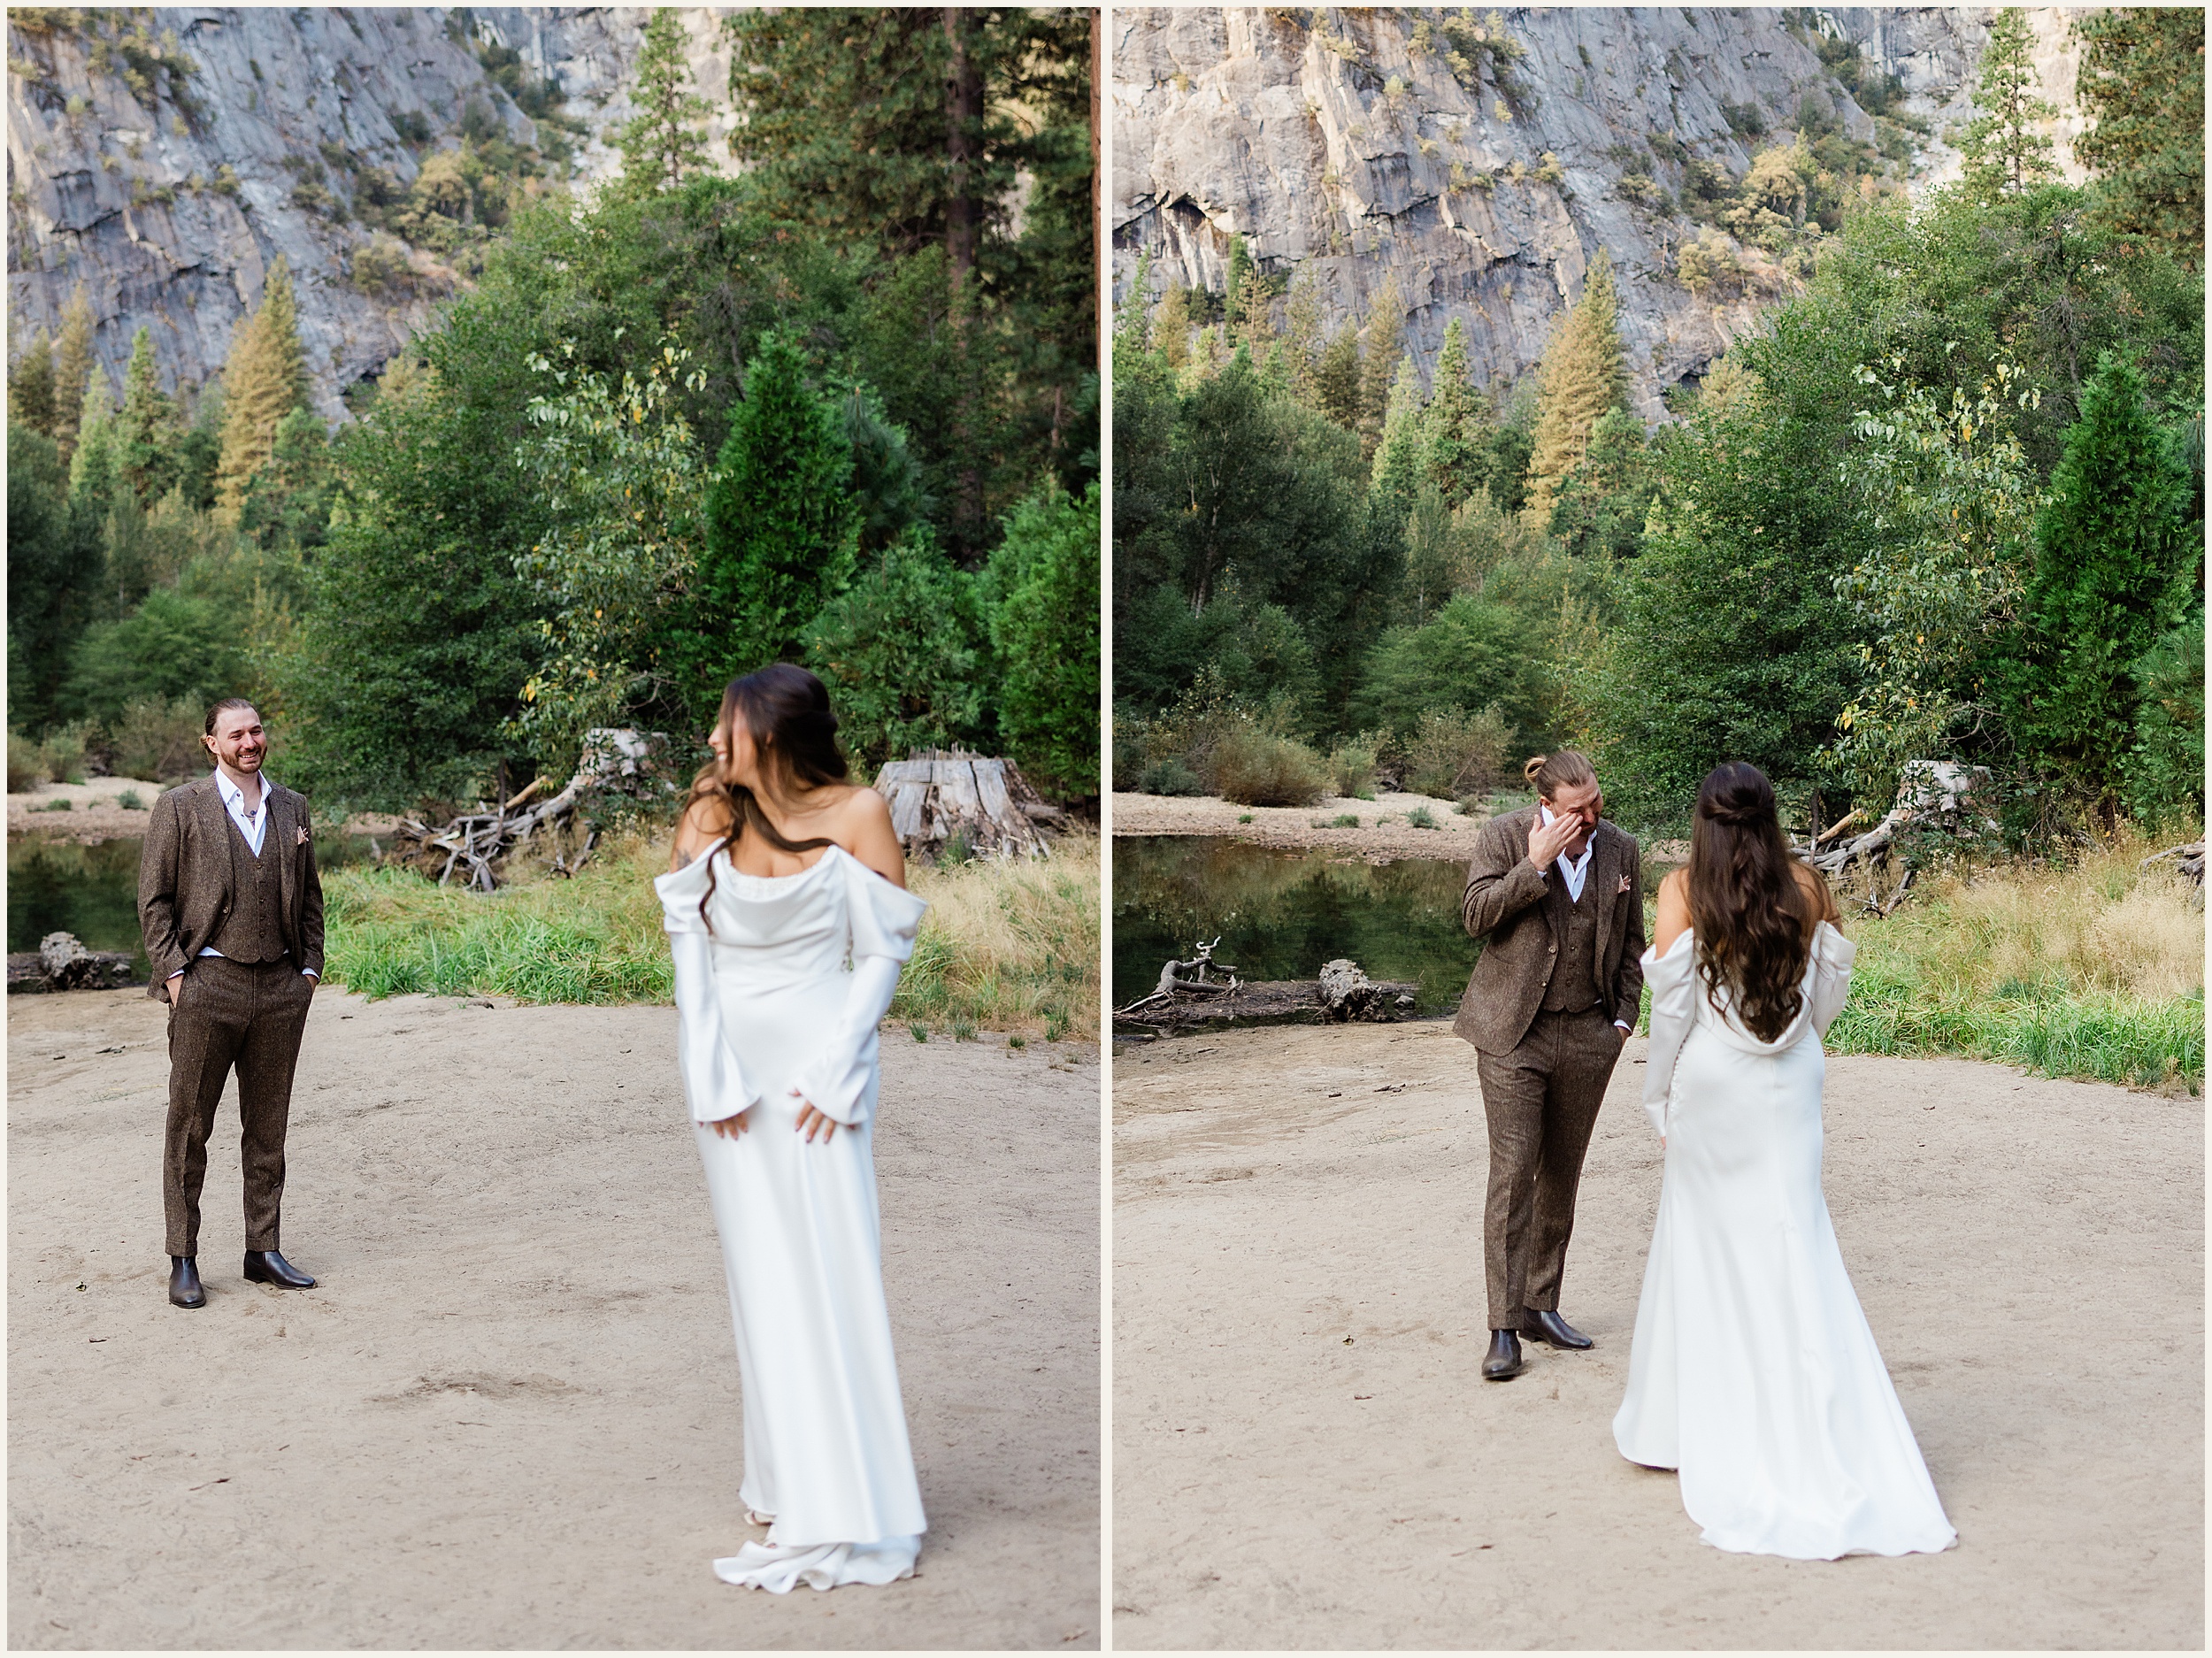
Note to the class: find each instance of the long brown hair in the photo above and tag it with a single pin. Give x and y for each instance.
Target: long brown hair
(1745, 905)
(787, 713)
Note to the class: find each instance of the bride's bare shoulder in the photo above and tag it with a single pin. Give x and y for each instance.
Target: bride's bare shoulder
(1820, 897)
(860, 821)
(705, 821)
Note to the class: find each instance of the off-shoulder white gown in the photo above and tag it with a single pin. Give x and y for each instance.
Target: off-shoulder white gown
(1753, 1369)
(786, 991)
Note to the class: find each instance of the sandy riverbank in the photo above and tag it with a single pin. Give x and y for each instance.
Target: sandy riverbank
(510, 1415)
(97, 812)
(1383, 832)
(1306, 1458)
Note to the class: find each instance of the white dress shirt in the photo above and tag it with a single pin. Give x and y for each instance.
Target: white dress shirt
(1576, 871)
(253, 823)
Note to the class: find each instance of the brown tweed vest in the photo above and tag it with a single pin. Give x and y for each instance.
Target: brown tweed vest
(252, 931)
(1574, 980)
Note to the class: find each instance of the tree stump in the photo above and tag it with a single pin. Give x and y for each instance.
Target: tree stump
(943, 798)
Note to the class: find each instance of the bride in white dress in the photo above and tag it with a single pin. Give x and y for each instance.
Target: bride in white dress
(789, 920)
(1752, 1371)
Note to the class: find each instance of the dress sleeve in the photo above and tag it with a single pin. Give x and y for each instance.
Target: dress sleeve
(1833, 956)
(1673, 981)
(884, 920)
(714, 1081)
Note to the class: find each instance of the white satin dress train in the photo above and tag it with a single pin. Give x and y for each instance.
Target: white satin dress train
(766, 1002)
(1752, 1371)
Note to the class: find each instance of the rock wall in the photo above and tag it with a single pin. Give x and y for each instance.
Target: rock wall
(112, 187)
(1322, 137)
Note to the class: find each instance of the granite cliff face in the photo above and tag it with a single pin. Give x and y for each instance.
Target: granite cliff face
(1338, 144)
(169, 196)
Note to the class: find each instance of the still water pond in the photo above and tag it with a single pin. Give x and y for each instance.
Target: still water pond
(1280, 915)
(58, 885)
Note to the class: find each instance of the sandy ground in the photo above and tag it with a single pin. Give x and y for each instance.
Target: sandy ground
(1305, 1456)
(1291, 827)
(97, 812)
(510, 1415)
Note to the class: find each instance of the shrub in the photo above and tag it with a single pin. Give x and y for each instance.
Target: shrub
(62, 753)
(1170, 776)
(131, 800)
(1256, 768)
(1453, 754)
(1421, 817)
(1345, 821)
(2165, 769)
(158, 741)
(26, 770)
(1351, 765)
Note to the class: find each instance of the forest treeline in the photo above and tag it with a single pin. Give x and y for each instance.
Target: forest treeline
(1948, 503)
(841, 410)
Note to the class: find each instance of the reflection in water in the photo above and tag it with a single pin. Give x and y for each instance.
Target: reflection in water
(1280, 915)
(58, 885)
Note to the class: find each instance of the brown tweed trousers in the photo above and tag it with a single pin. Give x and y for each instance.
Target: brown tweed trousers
(1544, 1071)
(200, 885)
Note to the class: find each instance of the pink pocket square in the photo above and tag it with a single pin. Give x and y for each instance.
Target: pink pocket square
(1625, 884)
(302, 842)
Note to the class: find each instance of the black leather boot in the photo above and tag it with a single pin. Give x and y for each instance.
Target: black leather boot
(184, 1282)
(1503, 1362)
(1548, 1326)
(266, 1266)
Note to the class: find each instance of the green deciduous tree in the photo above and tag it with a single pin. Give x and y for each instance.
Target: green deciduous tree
(1045, 571)
(900, 649)
(623, 483)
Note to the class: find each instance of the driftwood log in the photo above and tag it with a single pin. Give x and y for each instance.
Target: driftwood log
(476, 845)
(62, 962)
(1188, 997)
(938, 796)
(1931, 794)
(2188, 859)
(1347, 994)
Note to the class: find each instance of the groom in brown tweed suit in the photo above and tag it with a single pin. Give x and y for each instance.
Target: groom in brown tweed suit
(232, 909)
(1555, 893)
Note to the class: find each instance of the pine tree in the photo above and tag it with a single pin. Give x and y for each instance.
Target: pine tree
(1132, 324)
(1171, 327)
(1454, 456)
(264, 379)
(2114, 565)
(31, 386)
(1303, 340)
(2142, 80)
(73, 367)
(781, 529)
(2004, 154)
(1581, 376)
(1398, 456)
(1336, 379)
(1245, 302)
(1385, 344)
(95, 466)
(662, 144)
(147, 426)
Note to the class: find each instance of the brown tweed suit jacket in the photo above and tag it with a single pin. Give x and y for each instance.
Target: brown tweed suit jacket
(1504, 906)
(184, 888)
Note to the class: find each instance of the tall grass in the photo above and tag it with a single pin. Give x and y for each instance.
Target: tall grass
(1006, 947)
(2093, 968)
